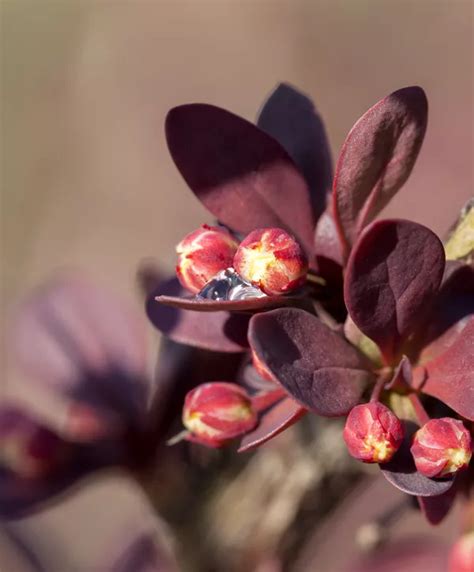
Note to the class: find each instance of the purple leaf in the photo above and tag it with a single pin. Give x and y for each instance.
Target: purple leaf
(402, 474)
(247, 305)
(241, 174)
(291, 118)
(437, 508)
(328, 249)
(449, 376)
(314, 364)
(376, 159)
(250, 378)
(392, 276)
(85, 343)
(218, 331)
(402, 375)
(272, 422)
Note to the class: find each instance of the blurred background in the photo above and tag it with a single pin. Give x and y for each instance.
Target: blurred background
(87, 181)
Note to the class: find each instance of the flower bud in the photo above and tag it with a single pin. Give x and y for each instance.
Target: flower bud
(271, 259)
(461, 558)
(441, 447)
(202, 254)
(373, 433)
(28, 449)
(216, 412)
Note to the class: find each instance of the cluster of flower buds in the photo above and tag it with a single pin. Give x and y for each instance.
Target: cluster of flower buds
(268, 258)
(215, 413)
(442, 447)
(372, 433)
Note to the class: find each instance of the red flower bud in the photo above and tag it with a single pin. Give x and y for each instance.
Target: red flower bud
(461, 558)
(28, 449)
(441, 447)
(202, 254)
(271, 259)
(373, 433)
(216, 412)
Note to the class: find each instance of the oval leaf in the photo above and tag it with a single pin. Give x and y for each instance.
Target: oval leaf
(392, 276)
(402, 474)
(291, 118)
(272, 422)
(314, 364)
(218, 331)
(376, 159)
(241, 174)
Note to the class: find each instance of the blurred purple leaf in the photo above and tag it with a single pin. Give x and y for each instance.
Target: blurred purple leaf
(449, 376)
(241, 174)
(314, 364)
(376, 159)
(328, 249)
(402, 474)
(249, 377)
(392, 276)
(218, 331)
(272, 422)
(85, 343)
(435, 509)
(292, 119)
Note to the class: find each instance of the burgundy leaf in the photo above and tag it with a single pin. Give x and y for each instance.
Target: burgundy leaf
(392, 276)
(272, 422)
(376, 159)
(218, 331)
(241, 174)
(291, 118)
(402, 375)
(449, 376)
(247, 305)
(402, 474)
(437, 508)
(314, 364)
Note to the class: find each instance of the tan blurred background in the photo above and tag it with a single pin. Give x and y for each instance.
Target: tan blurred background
(86, 178)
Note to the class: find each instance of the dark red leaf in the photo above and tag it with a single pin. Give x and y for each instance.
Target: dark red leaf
(376, 159)
(291, 118)
(314, 364)
(218, 331)
(437, 508)
(241, 174)
(328, 249)
(449, 375)
(392, 276)
(247, 305)
(402, 474)
(272, 422)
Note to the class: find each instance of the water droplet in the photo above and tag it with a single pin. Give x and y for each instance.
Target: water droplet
(228, 285)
